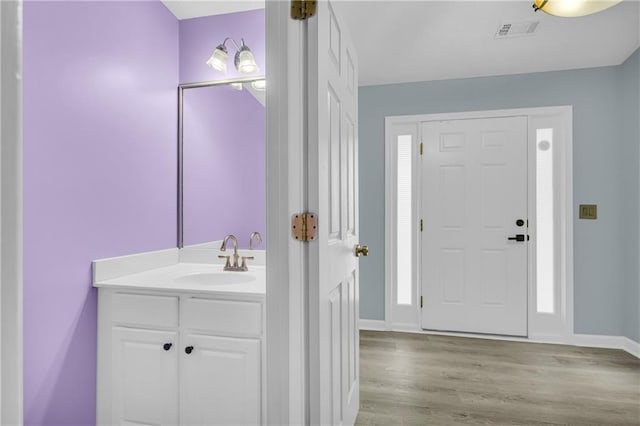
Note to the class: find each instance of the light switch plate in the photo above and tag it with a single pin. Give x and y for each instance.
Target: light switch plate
(588, 211)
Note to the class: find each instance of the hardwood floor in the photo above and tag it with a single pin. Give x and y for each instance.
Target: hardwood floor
(415, 379)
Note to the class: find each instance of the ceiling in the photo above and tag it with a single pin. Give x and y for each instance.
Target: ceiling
(435, 40)
(405, 41)
(186, 9)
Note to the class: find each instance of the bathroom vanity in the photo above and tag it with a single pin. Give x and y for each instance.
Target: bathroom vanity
(180, 341)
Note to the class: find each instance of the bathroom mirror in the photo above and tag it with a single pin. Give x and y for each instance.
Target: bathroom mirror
(222, 161)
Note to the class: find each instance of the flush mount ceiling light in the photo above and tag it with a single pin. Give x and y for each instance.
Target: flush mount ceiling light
(244, 61)
(573, 8)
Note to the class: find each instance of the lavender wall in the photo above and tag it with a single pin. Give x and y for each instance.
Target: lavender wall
(99, 178)
(200, 36)
(224, 164)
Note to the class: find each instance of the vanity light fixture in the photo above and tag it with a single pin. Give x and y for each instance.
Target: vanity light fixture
(244, 61)
(260, 85)
(218, 59)
(572, 8)
(237, 86)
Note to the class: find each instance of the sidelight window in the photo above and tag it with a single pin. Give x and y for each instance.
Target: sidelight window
(404, 215)
(545, 247)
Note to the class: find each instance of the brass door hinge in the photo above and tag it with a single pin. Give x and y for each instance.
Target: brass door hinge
(421, 148)
(421, 302)
(304, 226)
(303, 9)
(421, 225)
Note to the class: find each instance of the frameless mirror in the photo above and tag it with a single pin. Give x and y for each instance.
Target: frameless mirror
(222, 161)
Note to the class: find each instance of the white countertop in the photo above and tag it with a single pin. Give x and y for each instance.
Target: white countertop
(165, 279)
(163, 271)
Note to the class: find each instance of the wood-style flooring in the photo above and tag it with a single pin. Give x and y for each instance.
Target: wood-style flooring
(416, 379)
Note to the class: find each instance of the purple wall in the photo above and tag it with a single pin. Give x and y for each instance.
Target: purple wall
(224, 165)
(200, 36)
(99, 178)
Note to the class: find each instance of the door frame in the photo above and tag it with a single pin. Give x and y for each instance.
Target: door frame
(11, 369)
(287, 259)
(540, 328)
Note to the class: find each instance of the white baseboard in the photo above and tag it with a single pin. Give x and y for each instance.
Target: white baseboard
(597, 341)
(632, 347)
(373, 325)
(607, 342)
(583, 340)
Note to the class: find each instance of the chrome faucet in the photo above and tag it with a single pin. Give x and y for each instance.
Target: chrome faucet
(228, 265)
(257, 236)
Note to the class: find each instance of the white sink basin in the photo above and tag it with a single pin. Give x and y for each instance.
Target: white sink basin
(215, 278)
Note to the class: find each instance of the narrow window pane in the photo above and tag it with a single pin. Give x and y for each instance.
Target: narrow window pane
(545, 256)
(404, 243)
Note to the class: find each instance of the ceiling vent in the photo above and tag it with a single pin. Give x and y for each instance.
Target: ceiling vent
(517, 29)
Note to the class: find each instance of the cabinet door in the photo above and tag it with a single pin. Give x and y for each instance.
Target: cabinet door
(144, 377)
(220, 381)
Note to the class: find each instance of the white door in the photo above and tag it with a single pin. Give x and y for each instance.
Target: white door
(474, 203)
(145, 377)
(333, 187)
(220, 381)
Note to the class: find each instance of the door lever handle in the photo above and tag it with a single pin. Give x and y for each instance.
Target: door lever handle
(519, 237)
(361, 250)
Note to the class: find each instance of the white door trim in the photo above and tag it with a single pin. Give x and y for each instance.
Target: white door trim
(406, 314)
(565, 157)
(11, 404)
(286, 266)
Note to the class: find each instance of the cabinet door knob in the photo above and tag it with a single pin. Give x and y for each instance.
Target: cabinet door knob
(188, 349)
(167, 346)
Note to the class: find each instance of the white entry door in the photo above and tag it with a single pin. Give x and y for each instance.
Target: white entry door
(333, 186)
(474, 206)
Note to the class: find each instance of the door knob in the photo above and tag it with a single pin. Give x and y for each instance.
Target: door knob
(362, 250)
(188, 349)
(167, 346)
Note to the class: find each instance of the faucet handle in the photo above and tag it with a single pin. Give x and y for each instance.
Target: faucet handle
(228, 264)
(244, 267)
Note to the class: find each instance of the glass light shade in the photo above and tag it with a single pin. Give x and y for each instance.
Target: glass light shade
(573, 8)
(237, 86)
(245, 62)
(260, 85)
(218, 59)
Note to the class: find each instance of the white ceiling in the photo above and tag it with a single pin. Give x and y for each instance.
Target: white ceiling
(404, 41)
(185, 9)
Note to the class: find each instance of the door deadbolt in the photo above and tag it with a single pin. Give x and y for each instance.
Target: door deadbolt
(520, 222)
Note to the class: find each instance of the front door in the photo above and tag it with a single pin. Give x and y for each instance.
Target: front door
(474, 239)
(333, 186)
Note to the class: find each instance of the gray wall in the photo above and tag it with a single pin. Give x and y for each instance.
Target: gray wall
(605, 172)
(630, 96)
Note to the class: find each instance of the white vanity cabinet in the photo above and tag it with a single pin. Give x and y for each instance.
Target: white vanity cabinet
(170, 358)
(221, 381)
(144, 377)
